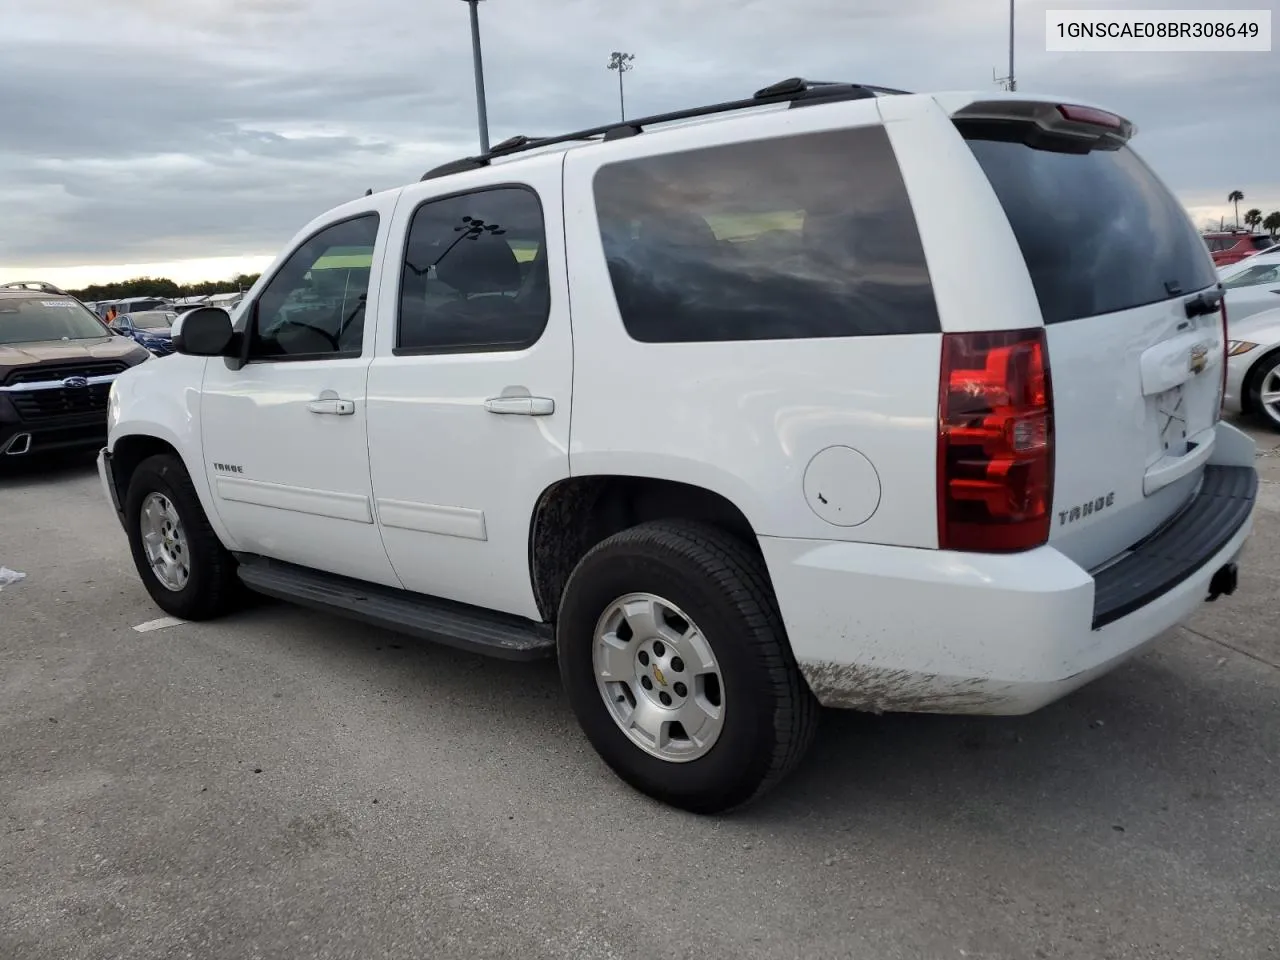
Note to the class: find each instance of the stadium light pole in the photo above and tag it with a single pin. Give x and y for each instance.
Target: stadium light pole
(482, 112)
(622, 62)
(1013, 80)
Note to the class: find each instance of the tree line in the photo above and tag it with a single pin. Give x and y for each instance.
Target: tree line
(163, 287)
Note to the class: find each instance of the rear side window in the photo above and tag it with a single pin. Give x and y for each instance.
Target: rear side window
(475, 276)
(1098, 230)
(796, 237)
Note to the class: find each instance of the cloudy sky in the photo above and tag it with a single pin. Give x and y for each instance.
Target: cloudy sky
(192, 138)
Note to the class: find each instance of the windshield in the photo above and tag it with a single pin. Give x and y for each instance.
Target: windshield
(1261, 273)
(25, 320)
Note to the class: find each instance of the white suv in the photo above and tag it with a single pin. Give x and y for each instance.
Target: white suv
(713, 407)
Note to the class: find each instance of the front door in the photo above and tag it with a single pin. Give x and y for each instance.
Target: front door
(469, 391)
(285, 436)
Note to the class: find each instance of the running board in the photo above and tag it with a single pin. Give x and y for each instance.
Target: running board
(442, 621)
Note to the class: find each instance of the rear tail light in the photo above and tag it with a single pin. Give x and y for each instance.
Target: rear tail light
(1226, 355)
(995, 441)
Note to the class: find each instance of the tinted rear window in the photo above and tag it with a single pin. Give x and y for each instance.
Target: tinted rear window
(1098, 230)
(794, 237)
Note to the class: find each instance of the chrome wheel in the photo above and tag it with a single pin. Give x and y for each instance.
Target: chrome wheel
(1269, 395)
(164, 542)
(659, 677)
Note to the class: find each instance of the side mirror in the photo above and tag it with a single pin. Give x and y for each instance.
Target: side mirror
(203, 332)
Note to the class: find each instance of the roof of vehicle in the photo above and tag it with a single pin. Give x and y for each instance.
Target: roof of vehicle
(786, 94)
(31, 289)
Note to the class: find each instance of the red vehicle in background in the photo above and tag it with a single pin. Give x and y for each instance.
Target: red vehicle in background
(1234, 245)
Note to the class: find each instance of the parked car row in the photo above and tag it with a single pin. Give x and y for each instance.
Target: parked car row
(148, 320)
(110, 309)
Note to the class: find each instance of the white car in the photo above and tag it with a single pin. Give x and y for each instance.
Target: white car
(1253, 367)
(1252, 285)
(711, 407)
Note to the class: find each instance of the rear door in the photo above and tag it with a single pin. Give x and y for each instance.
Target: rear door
(1136, 366)
(470, 391)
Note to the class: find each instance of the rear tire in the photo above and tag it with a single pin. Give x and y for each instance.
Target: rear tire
(735, 729)
(1264, 380)
(183, 565)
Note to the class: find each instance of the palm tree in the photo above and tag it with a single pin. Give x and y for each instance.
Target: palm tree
(1253, 219)
(1235, 196)
(1271, 223)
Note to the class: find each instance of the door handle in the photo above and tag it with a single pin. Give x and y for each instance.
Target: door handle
(334, 408)
(521, 406)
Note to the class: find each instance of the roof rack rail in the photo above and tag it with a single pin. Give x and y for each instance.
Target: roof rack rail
(796, 91)
(37, 286)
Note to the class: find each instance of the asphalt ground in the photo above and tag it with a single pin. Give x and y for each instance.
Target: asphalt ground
(281, 784)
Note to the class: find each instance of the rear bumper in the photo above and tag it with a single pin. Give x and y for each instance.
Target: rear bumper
(895, 629)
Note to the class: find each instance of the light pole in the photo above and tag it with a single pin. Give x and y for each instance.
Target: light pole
(1010, 82)
(482, 112)
(1013, 78)
(622, 62)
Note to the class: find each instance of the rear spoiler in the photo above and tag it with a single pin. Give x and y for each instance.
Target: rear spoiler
(1060, 118)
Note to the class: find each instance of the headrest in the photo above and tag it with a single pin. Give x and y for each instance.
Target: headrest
(484, 265)
(677, 229)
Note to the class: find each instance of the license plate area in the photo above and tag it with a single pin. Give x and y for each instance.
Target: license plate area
(1170, 414)
(1180, 432)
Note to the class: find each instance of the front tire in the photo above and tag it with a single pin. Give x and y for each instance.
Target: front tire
(678, 669)
(183, 565)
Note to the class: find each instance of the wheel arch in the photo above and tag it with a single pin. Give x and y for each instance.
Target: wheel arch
(128, 450)
(572, 515)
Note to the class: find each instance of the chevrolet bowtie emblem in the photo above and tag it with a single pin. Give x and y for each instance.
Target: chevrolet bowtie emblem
(1199, 358)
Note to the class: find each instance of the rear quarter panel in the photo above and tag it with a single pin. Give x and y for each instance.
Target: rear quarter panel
(745, 418)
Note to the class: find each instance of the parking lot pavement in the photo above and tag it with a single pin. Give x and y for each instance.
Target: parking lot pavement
(284, 785)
